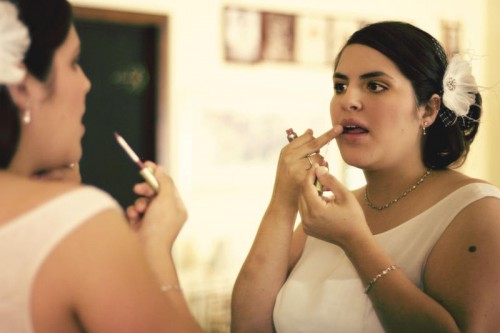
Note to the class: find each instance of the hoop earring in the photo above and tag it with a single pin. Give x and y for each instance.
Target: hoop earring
(26, 116)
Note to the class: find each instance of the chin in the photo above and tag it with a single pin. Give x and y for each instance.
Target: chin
(357, 156)
(75, 156)
(357, 165)
(355, 160)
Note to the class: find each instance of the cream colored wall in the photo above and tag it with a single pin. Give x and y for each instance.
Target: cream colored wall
(492, 105)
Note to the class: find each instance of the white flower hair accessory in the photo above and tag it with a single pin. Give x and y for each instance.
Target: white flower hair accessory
(459, 91)
(14, 41)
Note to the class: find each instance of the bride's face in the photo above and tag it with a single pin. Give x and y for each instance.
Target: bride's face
(56, 128)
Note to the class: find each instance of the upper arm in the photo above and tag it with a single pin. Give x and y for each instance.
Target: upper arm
(463, 270)
(119, 292)
(109, 285)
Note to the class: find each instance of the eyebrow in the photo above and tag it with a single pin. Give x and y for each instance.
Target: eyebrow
(363, 76)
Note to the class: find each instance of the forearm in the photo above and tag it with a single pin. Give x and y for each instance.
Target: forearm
(165, 272)
(400, 305)
(263, 273)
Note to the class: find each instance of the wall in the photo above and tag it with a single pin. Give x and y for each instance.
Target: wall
(227, 193)
(492, 81)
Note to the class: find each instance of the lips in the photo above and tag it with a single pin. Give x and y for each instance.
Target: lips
(353, 127)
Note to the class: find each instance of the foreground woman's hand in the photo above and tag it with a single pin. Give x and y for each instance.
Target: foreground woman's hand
(157, 217)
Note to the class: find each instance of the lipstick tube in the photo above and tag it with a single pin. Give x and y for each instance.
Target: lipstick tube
(146, 172)
(291, 135)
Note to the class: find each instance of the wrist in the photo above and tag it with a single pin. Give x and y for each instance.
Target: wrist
(157, 238)
(285, 201)
(163, 267)
(282, 212)
(286, 194)
(357, 247)
(157, 255)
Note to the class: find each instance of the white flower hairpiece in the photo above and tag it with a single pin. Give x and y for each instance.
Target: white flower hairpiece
(14, 41)
(459, 86)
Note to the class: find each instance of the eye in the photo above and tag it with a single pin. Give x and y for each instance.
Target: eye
(339, 87)
(376, 87)
(76, 62)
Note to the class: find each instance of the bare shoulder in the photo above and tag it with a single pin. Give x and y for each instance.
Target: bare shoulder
(21, 195)
(98, 278)
(478, 222)
(450, 180)
(444, 182)
(462, 270)
(70, 266)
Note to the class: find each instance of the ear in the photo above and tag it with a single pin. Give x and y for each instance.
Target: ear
(27, 92)
(19, 95)
(431, 110)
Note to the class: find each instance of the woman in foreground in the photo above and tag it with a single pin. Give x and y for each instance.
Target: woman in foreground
(71, 263)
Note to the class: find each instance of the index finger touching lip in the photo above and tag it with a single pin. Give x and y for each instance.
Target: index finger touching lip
(330, 134)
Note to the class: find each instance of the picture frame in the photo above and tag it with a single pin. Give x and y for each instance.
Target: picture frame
(278, 37)
(311, 40)
(242, 35)
(451, 37)
(337, 34)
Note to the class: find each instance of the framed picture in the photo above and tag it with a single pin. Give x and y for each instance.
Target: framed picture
(451, 35)
(242, 35)
(310, 40)
(338, 32)
(278, 37)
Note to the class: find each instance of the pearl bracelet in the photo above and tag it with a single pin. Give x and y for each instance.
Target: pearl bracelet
(170, 287)
(378, 276)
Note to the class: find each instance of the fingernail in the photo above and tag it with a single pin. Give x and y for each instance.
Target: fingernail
(322, 170)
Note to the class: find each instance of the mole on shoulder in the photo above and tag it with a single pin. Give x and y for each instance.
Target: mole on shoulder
(472, 248)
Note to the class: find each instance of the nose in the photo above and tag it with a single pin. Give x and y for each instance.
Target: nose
(353, 107)
(87, 84)
(351, 100)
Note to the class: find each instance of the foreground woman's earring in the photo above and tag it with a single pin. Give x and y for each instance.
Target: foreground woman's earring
(27, 116)
(423, 128)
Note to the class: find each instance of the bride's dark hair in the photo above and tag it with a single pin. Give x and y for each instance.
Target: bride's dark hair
(48, 23)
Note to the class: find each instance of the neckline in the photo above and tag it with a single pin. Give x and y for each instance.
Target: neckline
(37, 208)
(409, 222)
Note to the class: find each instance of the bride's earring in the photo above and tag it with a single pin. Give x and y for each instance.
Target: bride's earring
(26, 116)
(424, 127)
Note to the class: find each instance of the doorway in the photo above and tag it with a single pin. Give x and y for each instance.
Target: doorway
(123, 54)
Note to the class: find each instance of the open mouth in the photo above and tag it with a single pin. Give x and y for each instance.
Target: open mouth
(353, 129)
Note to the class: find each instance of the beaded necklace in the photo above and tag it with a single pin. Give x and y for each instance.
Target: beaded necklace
(401, 196)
